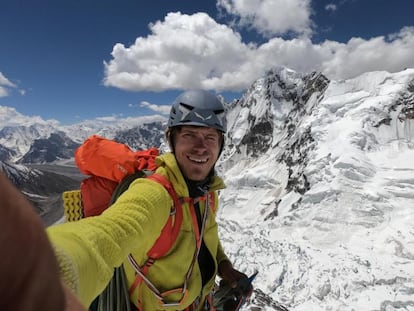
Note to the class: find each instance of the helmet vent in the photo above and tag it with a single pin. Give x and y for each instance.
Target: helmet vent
(187, 106)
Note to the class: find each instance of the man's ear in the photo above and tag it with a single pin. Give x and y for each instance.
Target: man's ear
(222, 142)
(168, 138)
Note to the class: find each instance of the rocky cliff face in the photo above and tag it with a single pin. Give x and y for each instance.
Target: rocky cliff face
(268, 120)
(6, 154)
(42, 188)
(45, 150)
(143, 137)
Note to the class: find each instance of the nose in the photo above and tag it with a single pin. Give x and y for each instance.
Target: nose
(200, 142)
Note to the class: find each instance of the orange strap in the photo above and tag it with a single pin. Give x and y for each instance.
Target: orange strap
(171, 229)
(145, 159)
(168, 234)
(211, 200)
(208, 304)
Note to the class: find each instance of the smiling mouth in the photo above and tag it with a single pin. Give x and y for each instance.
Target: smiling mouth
(196, 160)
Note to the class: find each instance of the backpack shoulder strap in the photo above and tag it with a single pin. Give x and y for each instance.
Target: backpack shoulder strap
(125, 183)
(168, 236)
(171, 229)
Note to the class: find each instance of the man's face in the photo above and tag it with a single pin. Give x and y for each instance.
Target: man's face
(196, 150)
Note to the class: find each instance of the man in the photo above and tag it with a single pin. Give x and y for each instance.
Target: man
(88, 250)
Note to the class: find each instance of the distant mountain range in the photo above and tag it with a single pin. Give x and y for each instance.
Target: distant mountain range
(35, 141)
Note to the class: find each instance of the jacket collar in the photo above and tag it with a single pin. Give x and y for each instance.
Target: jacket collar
(168, 166)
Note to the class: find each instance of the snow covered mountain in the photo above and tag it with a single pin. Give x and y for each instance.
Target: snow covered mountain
(19, 138)
(320, 188)
(26, 139)
(109, 127)
(320, 195)
(42, 188)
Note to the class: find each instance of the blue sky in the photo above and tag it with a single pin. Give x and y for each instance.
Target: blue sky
(72, 60)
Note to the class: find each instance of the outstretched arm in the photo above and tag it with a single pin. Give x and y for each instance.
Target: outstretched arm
(29, 276)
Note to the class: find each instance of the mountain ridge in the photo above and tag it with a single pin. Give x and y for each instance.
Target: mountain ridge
(24, 139)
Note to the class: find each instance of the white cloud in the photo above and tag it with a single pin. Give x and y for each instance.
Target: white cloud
(271, 18)
(163, 109)
(344, 60)
(9, 116)
(116, 119)
(183, 51)
(331, 7)
(5, 82)
(5, 85)
(194, 51)
(3, 92)
(391, 53)
(111, 118)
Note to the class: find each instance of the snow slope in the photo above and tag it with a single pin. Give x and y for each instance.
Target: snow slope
(323, 204)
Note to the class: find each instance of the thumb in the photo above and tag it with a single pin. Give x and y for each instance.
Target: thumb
(71, 302)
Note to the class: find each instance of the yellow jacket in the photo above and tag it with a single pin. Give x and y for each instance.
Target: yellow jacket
(88, 250)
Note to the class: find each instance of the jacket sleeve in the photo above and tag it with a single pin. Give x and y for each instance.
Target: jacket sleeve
(88, 250)
(221, 256)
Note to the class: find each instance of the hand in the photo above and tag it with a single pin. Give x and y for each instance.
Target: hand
(29, 274)
(235, 278)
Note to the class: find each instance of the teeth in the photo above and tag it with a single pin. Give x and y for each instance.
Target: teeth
(198, 160)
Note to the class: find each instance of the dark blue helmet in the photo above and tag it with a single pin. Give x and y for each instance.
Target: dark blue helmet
(200, 108)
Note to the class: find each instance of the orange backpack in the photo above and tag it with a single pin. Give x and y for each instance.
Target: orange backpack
(112, 167)
(107, 163)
